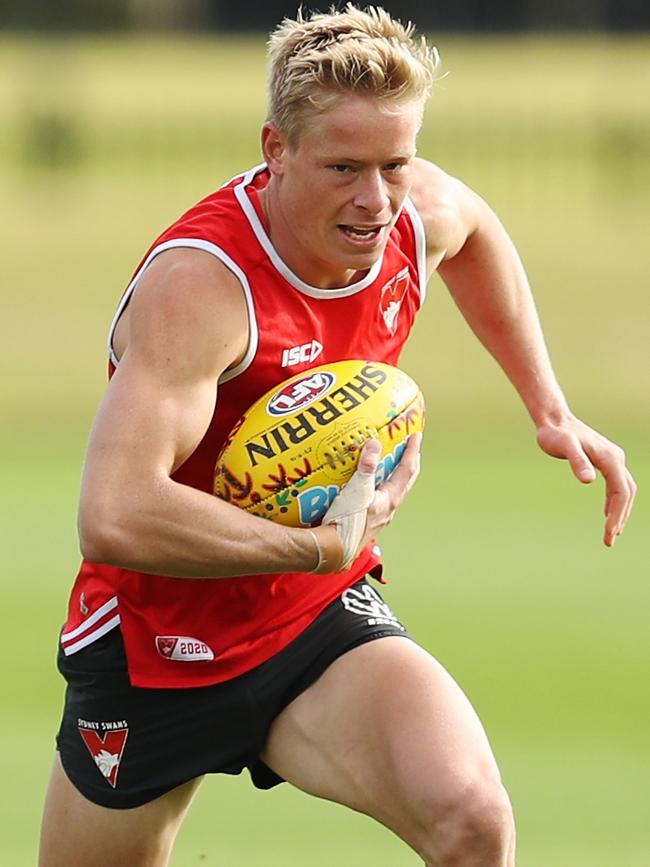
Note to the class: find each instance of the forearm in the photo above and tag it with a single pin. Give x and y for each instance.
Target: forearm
(490, 287)
(172, 529)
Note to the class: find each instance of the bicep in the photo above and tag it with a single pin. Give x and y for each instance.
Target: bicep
(187, 324)
(146, 426)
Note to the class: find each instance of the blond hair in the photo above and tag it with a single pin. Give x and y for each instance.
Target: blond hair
(312, 61)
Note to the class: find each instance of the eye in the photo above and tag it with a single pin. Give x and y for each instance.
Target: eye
(343, 168)
(394, 167)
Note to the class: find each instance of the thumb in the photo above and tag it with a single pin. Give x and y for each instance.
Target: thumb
(567, 445)
(582, 467)
(369, 457)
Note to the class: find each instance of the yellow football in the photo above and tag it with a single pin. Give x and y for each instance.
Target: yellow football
(294, 449)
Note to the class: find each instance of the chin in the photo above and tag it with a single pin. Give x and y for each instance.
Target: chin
(365, 258)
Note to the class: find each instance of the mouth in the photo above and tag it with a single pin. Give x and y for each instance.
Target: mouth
(362, 235)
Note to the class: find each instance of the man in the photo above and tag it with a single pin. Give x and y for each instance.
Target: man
(200, 639)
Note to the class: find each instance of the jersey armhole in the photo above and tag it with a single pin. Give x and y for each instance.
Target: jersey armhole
(233, 267)
(420, 247)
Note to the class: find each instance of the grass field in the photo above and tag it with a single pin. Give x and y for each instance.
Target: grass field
(102, 143)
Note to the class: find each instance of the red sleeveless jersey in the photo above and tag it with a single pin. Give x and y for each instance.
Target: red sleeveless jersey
(182, 632)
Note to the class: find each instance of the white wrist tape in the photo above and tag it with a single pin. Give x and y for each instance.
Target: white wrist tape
(349, 513)
(319, 552)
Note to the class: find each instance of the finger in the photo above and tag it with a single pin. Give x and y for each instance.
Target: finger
(369, 457)
(408, 468)
(618, 505)
(615, 507)
(632, 487)
(413, 445)
(611, 534)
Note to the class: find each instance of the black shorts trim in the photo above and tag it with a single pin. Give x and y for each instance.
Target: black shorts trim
(122, 746)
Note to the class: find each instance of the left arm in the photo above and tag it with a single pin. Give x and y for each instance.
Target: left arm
(480, 265)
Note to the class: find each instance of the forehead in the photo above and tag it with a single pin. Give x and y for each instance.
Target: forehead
(364, 124)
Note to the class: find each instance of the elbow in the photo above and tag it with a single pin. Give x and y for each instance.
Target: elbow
(104, 540)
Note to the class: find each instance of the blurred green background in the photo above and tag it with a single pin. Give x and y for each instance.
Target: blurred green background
(496, 561)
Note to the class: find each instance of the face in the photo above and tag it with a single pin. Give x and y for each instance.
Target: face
(334, 196)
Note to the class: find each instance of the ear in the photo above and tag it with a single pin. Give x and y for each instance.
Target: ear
(274, 146)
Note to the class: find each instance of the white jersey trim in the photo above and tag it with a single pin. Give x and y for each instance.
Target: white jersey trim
(420, 246)
(279, 264)
(86, 628)
(248, 175)
(209, 247)
(94, 617)
(69, 649)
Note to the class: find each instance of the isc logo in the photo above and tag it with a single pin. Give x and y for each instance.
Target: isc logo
(301, 354)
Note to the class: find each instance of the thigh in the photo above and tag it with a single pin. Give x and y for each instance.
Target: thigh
(388, 732)
(77, 833)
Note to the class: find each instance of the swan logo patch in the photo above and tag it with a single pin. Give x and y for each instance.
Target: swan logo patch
(183, 648)
(392, 296)
(105, 742)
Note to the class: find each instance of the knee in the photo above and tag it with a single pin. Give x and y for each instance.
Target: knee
(474, 827)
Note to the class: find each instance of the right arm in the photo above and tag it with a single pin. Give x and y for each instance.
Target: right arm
(185, 325)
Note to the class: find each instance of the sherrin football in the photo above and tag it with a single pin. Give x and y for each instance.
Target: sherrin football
(294, 449)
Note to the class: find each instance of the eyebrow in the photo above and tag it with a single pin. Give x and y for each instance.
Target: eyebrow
(397, 158)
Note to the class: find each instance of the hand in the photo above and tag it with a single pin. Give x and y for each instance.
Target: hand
(360, 511)
(587, 451)
(392, 492)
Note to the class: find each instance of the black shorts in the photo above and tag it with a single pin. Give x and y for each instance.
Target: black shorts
(122, 746)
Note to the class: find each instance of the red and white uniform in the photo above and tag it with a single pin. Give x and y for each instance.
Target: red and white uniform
(182, 632)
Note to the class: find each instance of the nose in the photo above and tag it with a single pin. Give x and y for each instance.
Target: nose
(371, 194)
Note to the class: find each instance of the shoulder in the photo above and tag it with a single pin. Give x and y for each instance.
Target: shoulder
(188, 305)
(446, 206)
